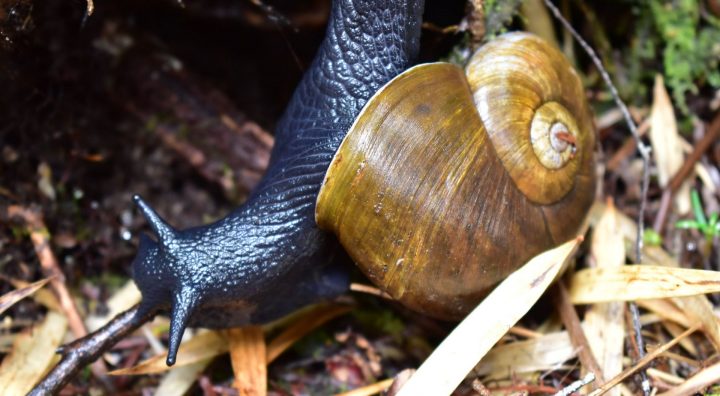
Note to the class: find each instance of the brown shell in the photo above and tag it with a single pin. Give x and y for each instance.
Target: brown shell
(434, 208)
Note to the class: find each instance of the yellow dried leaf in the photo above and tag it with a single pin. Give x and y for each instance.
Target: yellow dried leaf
(43, 297)
(9, 299)
(308, 322)
(667, 143)
(203, 346)
(699, 309)
(120, 301)
(179, 380)
(487, 323)
(32, 355)
(211, 344)
(538, 354)
(640, 282)
(249, 360)
(604, 324)
(666, 310)
(695, 384)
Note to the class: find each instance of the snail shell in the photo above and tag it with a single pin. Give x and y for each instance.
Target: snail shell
(449, 180)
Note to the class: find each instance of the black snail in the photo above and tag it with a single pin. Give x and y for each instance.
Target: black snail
(434, 199)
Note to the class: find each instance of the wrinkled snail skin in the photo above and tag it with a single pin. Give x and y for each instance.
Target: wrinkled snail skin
(268, 257)
(450, 179)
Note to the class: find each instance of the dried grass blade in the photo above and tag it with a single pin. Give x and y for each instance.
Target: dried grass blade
(640, 282)
(604, 324)
(179, 380)
(666, 310)
(7, 300)
(33, 353)
(304, 325)
(211, 344)
(372, 389)
(643, 362)
(199, 348)
(488, 322)
(695, 384)
(667, 143)
(699, 309)
(537, 354)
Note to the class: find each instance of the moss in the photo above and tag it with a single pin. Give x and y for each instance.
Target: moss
(498, 15)
(688, 45)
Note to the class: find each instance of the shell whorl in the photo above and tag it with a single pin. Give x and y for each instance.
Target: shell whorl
(521, 75)
(422, 192)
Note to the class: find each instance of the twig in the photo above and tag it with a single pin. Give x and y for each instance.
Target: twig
(628, 148)
(48, 262)
(575, 386)
(577, 336)
(711, 136)
(367, 289)
(699, 381)
(644, 361)
(40, 237)
(80, 352)
(644, 151)
(372, 389)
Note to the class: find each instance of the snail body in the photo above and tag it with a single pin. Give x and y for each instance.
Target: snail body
(449, 180)
(404, 165)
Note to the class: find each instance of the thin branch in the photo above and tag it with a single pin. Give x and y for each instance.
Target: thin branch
(579, 340)
(40, 237)
(644, 151)
(575, 386)
(710, 137)
(644, 361)
(81, 352)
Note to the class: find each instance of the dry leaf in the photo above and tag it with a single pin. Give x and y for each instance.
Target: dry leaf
(666, 310)
(666, 142)
(45, 184)
(120, 301)
(179, 380)
(699, 306)
(699, 309)
(32, 355)
(249, 360)
(695, 384)
(9, 299)
(446, 367)
(211, 344)
(640, 282)
(44, 297)
(369, 390)
(537, 354)
(312, 319)
(203, 346)
(604, 322)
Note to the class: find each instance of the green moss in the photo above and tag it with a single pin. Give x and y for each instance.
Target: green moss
(498, 15)
(688, 45)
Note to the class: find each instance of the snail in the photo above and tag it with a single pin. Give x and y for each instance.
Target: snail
(435, 198)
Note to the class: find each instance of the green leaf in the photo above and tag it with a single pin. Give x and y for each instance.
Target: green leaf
(652, 238)
(713, 222)
(697, 208)
(688, 224)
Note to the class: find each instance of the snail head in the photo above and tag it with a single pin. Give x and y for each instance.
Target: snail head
(160, 270)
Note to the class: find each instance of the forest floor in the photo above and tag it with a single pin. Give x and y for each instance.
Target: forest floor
(178, 104)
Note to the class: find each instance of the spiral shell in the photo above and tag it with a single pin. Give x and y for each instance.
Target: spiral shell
(446, 183)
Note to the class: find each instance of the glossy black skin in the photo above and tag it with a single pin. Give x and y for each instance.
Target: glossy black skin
(268, 257)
